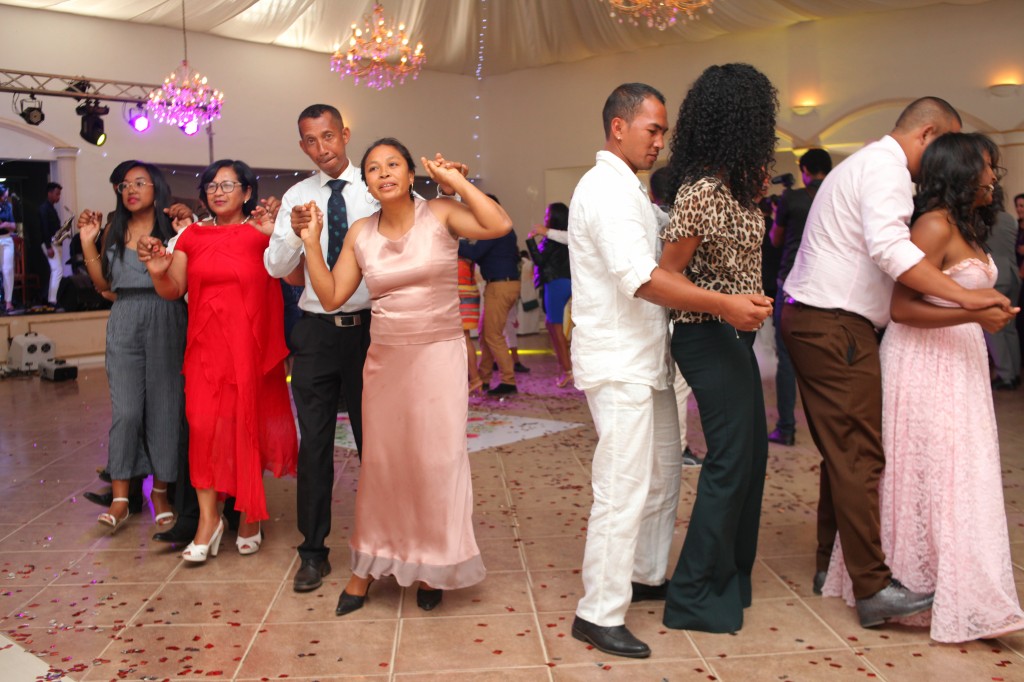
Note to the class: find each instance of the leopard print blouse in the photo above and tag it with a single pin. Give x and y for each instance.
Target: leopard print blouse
(729, 256)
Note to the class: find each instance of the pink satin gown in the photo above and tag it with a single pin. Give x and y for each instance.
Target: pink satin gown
(414, 505)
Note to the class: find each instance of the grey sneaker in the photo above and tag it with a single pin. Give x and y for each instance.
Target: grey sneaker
(690, 459)
(894, 601)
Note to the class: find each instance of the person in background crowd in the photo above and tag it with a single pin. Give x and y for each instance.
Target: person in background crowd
(1004, 345)
(7, 230)
(49, 221)
(552, 257)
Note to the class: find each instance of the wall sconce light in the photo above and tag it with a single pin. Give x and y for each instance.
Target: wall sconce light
(1005, 89)
(803, 109)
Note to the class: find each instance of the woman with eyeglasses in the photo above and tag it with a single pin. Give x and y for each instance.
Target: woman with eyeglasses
(145, 342)
(236, 397)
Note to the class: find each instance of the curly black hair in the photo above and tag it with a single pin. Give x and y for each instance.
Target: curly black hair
(726, 129)
(951, 169)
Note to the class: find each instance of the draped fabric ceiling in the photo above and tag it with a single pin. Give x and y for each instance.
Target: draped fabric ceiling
(520, 34)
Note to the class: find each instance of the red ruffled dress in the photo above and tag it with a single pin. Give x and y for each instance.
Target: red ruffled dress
(236, 396)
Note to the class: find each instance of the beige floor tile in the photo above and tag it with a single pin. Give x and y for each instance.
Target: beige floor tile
(796, 571)
(946, 663)
(158, 652)
(770, 626)
(499, 594)
(85, 605)
(838, 666)
(614, 668)
(67, 650)
(118, 566)
(556, 552)
(182, 603)
(482, 642)
(273, 563)
(539, 523)
(349, 647)
(530, 674)
(43, 536)
(501, 554)
(36, 568)
(556, 590)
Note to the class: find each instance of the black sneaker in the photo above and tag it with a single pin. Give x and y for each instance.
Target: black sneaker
(503, 389)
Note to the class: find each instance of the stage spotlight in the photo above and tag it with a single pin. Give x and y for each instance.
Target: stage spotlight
(137, 119)
(32, 111)
(190, 127)
(92, 112)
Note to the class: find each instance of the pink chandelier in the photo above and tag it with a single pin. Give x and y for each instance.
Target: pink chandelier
(379, 53)
(659, 14)
(186, 98)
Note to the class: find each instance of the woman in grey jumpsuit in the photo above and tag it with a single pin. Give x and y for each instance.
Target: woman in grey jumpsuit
(145, 344)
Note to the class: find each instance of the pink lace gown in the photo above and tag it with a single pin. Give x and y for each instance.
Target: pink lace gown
(414, 504)
(941, 495)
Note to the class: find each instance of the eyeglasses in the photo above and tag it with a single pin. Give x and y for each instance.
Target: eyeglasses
(1000, 172)
(228, 186)
(138, 185)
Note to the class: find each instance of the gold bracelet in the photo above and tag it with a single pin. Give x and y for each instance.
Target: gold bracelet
(93, 259)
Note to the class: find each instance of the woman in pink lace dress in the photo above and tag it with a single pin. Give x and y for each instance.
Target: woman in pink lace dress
(941, 497)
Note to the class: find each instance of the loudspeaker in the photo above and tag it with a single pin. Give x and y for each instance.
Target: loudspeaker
(58, 370)
(29, 351)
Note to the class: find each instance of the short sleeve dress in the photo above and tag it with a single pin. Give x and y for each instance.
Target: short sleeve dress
(236, 396)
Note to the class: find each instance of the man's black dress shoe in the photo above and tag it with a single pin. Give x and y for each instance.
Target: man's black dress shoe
(428, 600)
(643, 592)
(615, 640)
(503, 389)
(180, 533)
(781, 438)
(104, 475)
(106, 499)
(520, 368)
(1004, 385)
(893, 601)
(819, 582)
(311, 574)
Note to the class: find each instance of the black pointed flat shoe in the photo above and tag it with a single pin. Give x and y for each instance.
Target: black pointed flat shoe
(428, 600)
(347, 603)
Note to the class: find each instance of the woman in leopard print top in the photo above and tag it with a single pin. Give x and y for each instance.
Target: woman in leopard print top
(722, 149)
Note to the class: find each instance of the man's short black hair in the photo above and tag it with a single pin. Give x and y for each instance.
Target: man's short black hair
(925, 110)
(318, 110)
(659, 185)
(50, 186)
(625, 101)
(816, 162)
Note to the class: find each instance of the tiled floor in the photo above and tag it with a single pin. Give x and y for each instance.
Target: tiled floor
(94, 606)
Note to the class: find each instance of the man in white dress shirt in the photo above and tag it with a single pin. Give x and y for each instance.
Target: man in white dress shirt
(620, 357)
(329, 345)
(856, 243)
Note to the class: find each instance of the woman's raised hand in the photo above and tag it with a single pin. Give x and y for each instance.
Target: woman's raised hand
(89, 225)
(444, 172)
(180, 215)
(312, 223)
(154, 254)
(264, 215)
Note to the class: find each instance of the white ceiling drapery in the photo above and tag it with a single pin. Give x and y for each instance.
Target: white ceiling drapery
(521, 34)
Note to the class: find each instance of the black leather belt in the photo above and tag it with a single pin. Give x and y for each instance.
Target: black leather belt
(503, 279)
(338, 319)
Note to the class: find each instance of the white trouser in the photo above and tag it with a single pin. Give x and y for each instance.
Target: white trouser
(683, 391)
(56, 271)
(635, 477)
(7, 266)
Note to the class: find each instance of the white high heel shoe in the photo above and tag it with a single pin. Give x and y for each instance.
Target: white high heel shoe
(250, 545)
(197, 554)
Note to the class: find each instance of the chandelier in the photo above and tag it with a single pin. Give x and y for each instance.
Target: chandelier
(185, 99)
(379, 53)
(659, 14)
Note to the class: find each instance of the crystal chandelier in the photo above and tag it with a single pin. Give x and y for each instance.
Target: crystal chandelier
(186, 99)
(379, 53)
(659, 14)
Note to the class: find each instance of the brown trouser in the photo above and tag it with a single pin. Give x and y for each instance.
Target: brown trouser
(499, 297)
(835, 354)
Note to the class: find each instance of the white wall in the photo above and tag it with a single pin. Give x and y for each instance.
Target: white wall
(265, 89)
(861, 70)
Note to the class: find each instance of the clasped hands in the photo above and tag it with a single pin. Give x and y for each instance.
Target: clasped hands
(747, 312)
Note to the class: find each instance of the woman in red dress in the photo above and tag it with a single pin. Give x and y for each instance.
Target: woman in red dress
(236, 396)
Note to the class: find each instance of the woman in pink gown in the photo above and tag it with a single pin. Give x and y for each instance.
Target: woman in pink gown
(941, 496)
(414, 504)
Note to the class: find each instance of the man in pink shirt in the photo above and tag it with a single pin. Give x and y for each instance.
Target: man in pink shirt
(855, 245)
